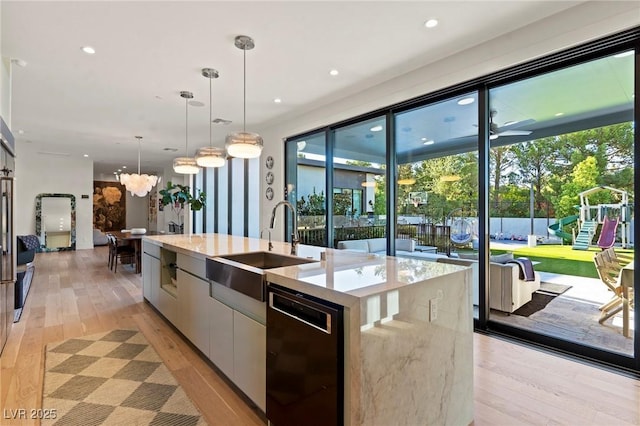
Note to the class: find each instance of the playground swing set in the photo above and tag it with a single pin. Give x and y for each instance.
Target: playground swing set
(606, 216)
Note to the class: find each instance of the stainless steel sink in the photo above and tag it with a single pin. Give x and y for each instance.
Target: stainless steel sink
(246, 272)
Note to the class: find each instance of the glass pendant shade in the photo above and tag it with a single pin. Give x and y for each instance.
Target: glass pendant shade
(185, 165)
(244, 145)
(138, 184)
(210, 157)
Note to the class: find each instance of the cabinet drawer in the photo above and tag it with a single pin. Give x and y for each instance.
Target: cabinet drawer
(167, 305)
(195, 266)
(151, 249)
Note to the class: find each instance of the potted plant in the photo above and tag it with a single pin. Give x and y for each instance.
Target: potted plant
(177, 196)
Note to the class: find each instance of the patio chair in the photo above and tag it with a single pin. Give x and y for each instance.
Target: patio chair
(610, 256)
(608, 272)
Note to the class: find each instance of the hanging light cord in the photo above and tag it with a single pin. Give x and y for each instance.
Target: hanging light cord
(210, 113)
(244, 111)
(139, 139)
(186, 127)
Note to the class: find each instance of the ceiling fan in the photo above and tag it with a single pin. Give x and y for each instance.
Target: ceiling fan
(495, 131)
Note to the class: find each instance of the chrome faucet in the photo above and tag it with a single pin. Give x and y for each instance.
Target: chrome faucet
(269, 234)
(295, 239)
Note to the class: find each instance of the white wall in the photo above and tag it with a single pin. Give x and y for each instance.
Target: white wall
(5, 90)
(5, 82)
(43, 173)
(585, 22)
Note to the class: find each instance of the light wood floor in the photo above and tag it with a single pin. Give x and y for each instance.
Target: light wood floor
(74, 293)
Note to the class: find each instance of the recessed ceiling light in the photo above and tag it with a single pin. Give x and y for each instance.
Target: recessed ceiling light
(558, 114)
(277, 100)
(115, 173)
(119, 170)
(430, 23)
(21, 132)
(377, 128)
(623, 54)
(88, 50)
(429, 142)
(124, 167)
(334, 72)
(85, 155)
(466, 101)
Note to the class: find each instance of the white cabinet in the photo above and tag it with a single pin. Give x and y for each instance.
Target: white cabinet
(249, 355)
(167, 305)
(221, 336)
(220, 322)
(150, 278)
(193, 306)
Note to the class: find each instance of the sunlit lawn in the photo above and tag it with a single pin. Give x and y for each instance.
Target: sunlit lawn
(564, 260)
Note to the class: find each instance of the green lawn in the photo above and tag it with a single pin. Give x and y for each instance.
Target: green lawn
(564, 260)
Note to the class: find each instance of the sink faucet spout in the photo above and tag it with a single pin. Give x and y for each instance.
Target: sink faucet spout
(269, 234)
(295, 239)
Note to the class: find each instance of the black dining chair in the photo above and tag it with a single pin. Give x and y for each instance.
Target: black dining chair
(124, 252)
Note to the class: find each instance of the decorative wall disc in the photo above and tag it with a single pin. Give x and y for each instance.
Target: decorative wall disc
(269, 193)
(269, 178)
(269, 162)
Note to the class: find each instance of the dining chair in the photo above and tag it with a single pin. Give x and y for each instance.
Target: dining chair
(120, 251)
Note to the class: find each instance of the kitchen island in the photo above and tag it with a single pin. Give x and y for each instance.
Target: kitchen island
(408, 324)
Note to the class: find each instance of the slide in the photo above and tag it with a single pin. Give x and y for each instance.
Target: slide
(556, 228)
(608, 233)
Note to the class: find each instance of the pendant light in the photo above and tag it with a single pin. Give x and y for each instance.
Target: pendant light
(138, 184)
(244, 144)
(186, 165)
(209, 156)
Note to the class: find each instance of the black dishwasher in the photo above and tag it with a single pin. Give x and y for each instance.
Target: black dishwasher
(305, 360)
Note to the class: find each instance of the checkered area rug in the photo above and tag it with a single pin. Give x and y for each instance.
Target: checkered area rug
(113, 378)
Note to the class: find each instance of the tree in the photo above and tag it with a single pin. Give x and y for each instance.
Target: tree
(500, 160)
(535, 163)
(341, 204)
(584, 176)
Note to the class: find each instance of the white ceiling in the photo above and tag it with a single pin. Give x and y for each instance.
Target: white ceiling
(67, 102)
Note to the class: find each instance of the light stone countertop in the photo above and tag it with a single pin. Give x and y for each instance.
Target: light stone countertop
(344, 277)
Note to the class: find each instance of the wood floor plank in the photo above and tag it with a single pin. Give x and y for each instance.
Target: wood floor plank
(75, 294)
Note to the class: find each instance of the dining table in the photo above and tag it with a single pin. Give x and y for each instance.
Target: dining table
(626, 282)
(135, 239)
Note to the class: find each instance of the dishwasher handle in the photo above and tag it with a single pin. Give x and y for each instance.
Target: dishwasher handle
(298, 309)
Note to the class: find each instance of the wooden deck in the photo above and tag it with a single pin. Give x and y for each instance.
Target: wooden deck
(573, 316)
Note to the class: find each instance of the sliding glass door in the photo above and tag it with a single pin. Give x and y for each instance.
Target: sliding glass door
(561, 193)
(527, 176)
